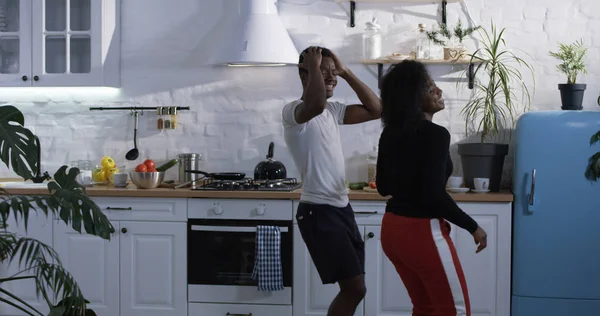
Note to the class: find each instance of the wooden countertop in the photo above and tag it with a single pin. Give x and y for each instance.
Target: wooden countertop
(132, 191)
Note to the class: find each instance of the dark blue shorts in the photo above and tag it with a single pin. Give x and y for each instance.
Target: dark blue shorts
(333, 240)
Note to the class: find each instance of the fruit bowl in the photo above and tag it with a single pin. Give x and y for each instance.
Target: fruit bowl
(147, 180)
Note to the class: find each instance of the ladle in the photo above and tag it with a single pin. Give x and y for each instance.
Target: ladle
(134, 153)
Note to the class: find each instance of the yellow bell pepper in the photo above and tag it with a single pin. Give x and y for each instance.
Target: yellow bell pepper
(108, 163)
(99, 175)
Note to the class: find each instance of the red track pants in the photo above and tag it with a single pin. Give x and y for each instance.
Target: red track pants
(426, 260)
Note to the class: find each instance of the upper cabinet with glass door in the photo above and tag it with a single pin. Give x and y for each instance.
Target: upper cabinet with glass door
(59, 43)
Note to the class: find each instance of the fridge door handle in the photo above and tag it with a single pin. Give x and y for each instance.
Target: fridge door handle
(532, 192)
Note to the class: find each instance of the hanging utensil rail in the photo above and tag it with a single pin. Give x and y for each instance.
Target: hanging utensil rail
(134, 108)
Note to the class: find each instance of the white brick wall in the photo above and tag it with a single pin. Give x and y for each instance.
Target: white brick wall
(236, 112)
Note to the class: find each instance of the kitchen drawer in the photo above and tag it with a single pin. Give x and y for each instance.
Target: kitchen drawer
(144, 209)
(365, 212)
(239, 309)
(240, 209)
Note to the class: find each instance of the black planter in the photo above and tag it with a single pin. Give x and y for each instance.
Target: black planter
(571, 96)
(482, 160)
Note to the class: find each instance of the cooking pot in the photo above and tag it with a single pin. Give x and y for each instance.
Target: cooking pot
(270, 169)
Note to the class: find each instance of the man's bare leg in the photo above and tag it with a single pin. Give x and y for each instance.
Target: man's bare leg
(352, 292)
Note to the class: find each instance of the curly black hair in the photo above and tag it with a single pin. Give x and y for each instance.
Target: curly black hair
(325, 52)
(402, 93)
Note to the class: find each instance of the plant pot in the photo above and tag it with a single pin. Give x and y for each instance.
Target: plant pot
(454, 53)
(571, 96)
(482, 160)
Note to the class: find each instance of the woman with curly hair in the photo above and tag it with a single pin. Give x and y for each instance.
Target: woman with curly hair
(413, 167)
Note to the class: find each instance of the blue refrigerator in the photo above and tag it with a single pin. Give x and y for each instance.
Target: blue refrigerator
(556, 219)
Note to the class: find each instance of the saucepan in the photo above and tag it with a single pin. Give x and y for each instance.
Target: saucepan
(232, 176)
(220, 175)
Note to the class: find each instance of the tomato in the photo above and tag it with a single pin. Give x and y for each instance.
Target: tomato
(152, 170)
(149, 164)
(373, 185)
(141, 168)
(108, 163)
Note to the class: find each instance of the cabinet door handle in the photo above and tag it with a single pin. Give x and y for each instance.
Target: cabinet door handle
(370, 235)
(24, 78)
(118, 208)
(230, 314)
(36, 78)
(124, 230)
(368, 213)
(531, 198)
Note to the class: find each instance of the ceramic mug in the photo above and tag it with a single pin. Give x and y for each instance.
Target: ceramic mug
(481, 184)
(120, 179)
(455, 182)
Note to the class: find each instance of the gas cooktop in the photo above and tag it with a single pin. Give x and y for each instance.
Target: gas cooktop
(288, 185)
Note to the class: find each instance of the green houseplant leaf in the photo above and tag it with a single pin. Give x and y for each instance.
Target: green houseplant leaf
(17, 146)
(66, 199)
(572, 60)
(494, 103)
(74, 205)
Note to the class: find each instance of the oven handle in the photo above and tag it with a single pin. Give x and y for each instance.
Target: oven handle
(241, 229)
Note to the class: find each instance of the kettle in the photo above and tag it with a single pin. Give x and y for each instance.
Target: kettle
(270, 169)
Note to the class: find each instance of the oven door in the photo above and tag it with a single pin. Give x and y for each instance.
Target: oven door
(221, 260)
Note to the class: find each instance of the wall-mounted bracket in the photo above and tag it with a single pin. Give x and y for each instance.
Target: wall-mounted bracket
(353, 7)
(352, 11)
(470, 74)
(444, 11)
(379, 75)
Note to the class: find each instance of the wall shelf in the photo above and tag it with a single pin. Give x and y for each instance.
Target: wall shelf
(465, 62)
(353, 5)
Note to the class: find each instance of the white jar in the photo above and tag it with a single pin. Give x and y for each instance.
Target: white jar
(372, 40)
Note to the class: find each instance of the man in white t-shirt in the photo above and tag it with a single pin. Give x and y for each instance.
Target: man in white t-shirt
(325, 217)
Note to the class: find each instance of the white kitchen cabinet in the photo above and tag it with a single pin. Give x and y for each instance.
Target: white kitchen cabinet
(153, 269)
(94, 263)
(202, 309)
(142, 270)
(60, 43)
(40, 228)
(487, 273)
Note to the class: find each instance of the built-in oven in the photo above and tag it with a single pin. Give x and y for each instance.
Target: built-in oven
(221, 256)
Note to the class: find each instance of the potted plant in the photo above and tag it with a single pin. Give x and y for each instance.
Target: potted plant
(66, 199)
(572, 63)
(452, 50)
(492, 107)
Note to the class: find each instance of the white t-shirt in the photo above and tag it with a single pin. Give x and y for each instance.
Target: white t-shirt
(317, 152)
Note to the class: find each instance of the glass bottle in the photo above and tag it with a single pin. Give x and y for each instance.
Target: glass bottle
(423, 49)
(372, 40)
(167, 120)
(159, 121)
(173, 112)
(372, 164)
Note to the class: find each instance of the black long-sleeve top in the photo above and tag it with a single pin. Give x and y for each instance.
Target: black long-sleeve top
(413, 169)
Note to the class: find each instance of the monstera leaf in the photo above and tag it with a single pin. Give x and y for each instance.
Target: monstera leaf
(75, 207)
(17, 144)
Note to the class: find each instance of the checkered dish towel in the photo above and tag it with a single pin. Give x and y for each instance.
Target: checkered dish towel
(267, 264)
